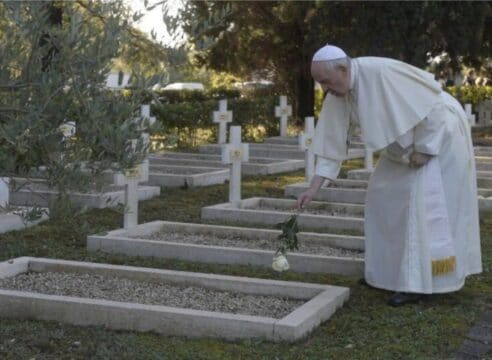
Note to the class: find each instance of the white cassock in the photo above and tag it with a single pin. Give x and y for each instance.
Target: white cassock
(421, 225)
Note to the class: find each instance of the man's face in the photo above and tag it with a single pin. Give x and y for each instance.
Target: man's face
(335, 81)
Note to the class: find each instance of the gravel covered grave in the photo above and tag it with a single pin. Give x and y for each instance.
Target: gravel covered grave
(173, 171)
(152, 293)
(311, 211)
(234, 241)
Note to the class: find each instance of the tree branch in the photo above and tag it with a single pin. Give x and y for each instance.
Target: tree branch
(12, 109)
(12, 87)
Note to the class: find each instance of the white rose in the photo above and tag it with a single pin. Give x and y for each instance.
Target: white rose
(280, 263)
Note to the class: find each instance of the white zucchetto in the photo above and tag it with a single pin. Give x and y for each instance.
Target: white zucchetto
(329, 52)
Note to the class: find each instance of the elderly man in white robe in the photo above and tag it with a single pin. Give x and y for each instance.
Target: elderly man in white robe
(421, 217)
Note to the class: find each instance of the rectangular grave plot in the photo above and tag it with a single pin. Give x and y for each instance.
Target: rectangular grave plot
(330, 194)
(313, 303)
(323, 253)
(249, 212)
(314, 207)
(184, 170)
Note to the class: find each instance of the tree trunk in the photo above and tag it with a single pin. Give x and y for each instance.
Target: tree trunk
(55, 19)
(305, 93)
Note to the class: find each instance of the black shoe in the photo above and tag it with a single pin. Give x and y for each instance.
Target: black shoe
(401, 298)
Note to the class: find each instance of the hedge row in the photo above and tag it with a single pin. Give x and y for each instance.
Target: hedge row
(182, 118)
(471, 94)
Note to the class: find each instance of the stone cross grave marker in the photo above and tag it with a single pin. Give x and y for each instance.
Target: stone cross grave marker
(130, 179)
(368, 159)
(283, 111)
(140, 173)
(222, 117)
(68, 129)
(146, 121)
(306, 144)
(469, 115)
(4, 192)
(485, 112)
(234, 154)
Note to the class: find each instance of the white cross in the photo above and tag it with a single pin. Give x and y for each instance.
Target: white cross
(485, 116)
(4, 192)
(140, 173)
(68, 129)
(235, 153)
(469, 115)
(146, 121)
(222, 117)
(368, 159)
(283, 111)
(306, 144)
(130, 179)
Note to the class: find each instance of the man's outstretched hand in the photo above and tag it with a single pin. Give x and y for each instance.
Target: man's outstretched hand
(307, 196)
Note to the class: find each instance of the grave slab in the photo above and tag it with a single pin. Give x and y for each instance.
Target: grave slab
(483, 159)
(233, 245)
(37, 192)
(321, 301)
(177, 176)
(356, 194)
(484, 166)
(276, 151)
(10, 221)
(349, 195)
(255, 166)
(356, 143)
(271, 211)
(483, 150)
(282, 140)
(359, 174)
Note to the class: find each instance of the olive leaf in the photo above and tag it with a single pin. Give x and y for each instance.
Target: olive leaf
(289, 229)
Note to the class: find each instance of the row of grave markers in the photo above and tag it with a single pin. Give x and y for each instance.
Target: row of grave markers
(224, 116)
(233, 153)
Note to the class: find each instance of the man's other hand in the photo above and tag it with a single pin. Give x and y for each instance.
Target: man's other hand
(418, 159)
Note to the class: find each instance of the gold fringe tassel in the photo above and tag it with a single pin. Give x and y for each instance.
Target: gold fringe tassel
(443, 266)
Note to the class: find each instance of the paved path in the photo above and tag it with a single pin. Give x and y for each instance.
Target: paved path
(478, 344)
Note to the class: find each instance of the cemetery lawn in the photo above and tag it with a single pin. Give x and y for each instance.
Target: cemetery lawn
(365, 328)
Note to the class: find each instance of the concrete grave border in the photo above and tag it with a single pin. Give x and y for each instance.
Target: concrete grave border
(322, 302)
(126, 242)
(358, 195)
(111, 195)
(204, 176)
(272, 166)
(247, 214)
(11, 222)
(350, 195)
(276, 151)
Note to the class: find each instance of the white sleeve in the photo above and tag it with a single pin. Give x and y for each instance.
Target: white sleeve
(430, 132)
(327, 168)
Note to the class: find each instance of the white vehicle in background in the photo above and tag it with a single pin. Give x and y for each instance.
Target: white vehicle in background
(117, 80)
(258, 84)
(184, 86)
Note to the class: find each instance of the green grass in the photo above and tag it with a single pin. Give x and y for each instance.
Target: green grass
(365, 328)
